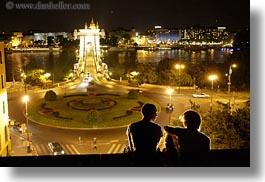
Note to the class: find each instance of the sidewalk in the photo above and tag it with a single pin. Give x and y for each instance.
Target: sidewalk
(18, 142)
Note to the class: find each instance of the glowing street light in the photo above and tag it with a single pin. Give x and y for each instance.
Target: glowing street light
(25, 99)
(47, 75)
(169, 91)
(179, 67)
(212, 78)
(170, 107)
(134, 73)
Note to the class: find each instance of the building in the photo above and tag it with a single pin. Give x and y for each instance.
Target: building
(164, 35)
(16, 38)
(5, 141)
(197, 35)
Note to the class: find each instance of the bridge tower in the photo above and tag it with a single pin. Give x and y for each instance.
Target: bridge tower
(89, 53)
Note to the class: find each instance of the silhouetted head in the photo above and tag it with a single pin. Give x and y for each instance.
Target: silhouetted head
(191, 119)
(149, 111)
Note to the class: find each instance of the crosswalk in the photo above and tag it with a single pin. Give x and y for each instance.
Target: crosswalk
(42, 149)
(116, 148)
(77, 149)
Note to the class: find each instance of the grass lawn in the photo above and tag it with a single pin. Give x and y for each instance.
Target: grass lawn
(80, 119)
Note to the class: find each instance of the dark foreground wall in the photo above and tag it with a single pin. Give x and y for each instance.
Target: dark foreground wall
(217, 158)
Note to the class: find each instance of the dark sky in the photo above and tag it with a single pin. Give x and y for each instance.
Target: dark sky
(141, 14)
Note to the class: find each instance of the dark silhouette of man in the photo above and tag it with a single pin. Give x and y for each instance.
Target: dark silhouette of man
(144, 137)
(194, 145)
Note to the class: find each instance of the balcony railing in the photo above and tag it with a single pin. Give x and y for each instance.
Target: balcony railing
(217, 158)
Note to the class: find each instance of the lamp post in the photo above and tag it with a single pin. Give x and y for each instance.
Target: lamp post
(170, 106)
(25, 100)
(169, 91)
(133, 78)
(212, 78)
(229, 80)
(179, 67)
(47, 75)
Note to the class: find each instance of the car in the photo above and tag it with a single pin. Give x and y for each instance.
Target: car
(139, 91)
(85, 80)
(88, 79)
(56, 148)
(169, 108)
(202, 95)
(19, 127)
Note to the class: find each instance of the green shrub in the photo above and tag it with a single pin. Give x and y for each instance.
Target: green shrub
(50, 95)
(93, 116)
(133, 94)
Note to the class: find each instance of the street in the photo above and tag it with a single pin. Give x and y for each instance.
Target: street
(87, 141)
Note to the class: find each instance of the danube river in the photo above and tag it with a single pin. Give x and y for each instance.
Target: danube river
(61, 63)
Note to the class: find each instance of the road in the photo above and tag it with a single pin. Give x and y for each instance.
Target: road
(87, 141)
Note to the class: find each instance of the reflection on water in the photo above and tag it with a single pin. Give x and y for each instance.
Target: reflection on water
(144, 56)
(60, 63)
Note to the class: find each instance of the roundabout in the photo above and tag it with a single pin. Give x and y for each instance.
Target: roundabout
(83, 111)
(90, 103)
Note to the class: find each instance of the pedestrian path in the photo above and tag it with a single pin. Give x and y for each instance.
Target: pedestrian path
(42, 149)
(116, 148)
(77, 149)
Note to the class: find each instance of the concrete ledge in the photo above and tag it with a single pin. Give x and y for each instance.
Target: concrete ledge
(217, 158)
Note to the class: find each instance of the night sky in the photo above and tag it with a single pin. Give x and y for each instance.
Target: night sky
(141, 14)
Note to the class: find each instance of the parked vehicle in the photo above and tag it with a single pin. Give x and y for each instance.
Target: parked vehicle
(139, 91)
(202, 95)
(20, 127)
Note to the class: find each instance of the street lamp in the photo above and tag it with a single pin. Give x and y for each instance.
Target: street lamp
(179, 67)
(212, 78)
(133, 78)
(229, 80)
(170, 107)
(47, 75)
(25, 100)
(169, 91)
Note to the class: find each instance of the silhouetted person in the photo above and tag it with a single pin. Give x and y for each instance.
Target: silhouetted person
(144, 137)
(194, 145)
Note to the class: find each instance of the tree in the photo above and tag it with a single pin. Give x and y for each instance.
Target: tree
(93, 116)
(35, 77)
(147, 74)
(113, 41)
(169, 75)
(241, 76)
(133, 94)
(228, 129)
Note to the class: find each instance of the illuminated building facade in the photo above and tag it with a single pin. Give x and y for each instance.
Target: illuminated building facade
(5, 141)
(16, 39)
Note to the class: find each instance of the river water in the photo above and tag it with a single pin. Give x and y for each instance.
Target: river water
(60, 63)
